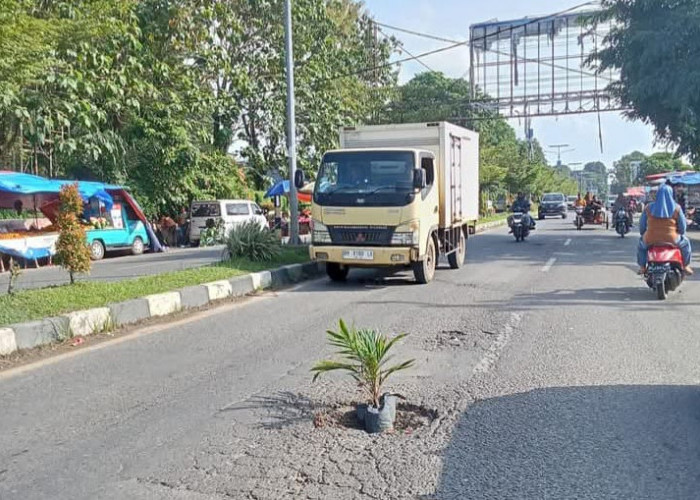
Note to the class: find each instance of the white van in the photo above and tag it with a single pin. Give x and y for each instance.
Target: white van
(232, 212)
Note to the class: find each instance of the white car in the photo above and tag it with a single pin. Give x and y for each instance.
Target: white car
(232, 212)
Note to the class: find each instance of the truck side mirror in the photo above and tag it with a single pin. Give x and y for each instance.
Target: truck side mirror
(419, 179)
(299, 179)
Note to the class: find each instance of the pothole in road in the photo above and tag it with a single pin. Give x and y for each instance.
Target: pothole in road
(459, 339)
(409, 417)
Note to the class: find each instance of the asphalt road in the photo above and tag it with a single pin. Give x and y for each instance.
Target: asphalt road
(556, 373)
(118, 267)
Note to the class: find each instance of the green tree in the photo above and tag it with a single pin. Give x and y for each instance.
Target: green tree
(659, 163)
(334, 52)
(72, 252)
(156, 93)
(626, 170)
(597, 176)
(654, 44)
(430, 96)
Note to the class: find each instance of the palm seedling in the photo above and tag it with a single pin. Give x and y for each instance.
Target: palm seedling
(365, 356)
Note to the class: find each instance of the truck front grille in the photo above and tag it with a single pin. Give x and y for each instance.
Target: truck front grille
(361, 235)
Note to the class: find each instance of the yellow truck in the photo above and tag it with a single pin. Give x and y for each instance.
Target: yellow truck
(396, 196)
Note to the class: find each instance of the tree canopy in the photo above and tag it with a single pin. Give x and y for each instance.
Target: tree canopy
(157, 94)
(655, 45)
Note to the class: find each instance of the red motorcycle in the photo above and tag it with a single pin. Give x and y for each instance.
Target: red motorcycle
(665, 270)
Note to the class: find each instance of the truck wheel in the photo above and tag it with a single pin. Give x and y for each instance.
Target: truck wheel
(97, 250)
(456, 259)
(424, 270)
(137, 246)
(336, 272)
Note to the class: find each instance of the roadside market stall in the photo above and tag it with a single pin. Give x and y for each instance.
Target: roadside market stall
(304, 195)
(691, 182)
(110, 213)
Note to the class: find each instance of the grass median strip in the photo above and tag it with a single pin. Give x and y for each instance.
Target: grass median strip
(30, 305)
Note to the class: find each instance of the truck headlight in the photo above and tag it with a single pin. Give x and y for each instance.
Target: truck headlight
(406, 235)
(320, 233)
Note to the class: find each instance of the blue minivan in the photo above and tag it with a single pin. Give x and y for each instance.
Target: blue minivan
(115, 229)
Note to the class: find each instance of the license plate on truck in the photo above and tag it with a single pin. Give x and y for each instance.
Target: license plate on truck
(358, 254)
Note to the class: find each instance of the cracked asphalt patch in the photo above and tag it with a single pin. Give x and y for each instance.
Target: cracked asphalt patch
(269, 447)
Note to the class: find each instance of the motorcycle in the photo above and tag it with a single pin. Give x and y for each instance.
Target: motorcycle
(520, 226)
(578, 220)
(622, 225)
(664, 269)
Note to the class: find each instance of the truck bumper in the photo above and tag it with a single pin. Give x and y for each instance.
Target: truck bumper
(381, 256)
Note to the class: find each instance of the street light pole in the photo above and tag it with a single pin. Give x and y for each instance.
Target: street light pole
(291, 126)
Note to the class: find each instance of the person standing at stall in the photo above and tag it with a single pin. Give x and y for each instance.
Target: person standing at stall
(168, 228)
(182, 227)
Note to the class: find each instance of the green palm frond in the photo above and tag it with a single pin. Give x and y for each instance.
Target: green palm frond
(327, 366)
(365, 353)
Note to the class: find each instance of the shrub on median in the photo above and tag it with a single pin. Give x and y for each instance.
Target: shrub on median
(72, 252)
(250, 241)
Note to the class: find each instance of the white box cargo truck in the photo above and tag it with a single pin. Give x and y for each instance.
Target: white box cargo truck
(396, 195)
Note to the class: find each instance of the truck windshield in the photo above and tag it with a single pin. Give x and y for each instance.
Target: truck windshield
(365, 178)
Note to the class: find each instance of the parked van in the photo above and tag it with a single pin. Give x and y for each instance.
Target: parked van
(205, 214)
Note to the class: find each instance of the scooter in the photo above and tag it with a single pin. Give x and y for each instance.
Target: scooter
(578, 220)
(520, 227)
(622, 223)
(664, 269)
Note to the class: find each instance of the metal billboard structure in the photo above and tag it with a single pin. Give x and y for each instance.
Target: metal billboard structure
(537, 66)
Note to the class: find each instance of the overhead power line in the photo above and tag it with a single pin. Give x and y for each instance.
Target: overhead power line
(404, 49)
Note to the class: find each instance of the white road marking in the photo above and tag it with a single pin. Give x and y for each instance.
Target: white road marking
(494, 352)
(549, 265)
(567, 242)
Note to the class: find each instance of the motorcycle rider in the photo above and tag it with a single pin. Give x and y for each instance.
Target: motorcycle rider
(522, 204)
(622, 204)
(580, 202)
(663, 221)
(596, 206)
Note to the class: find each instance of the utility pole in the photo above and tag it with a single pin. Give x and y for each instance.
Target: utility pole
(559, 151)
(291, 126)
(577, 174)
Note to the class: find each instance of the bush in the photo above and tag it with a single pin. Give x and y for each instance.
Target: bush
(213, 234)
(72, 252)
(250, 241)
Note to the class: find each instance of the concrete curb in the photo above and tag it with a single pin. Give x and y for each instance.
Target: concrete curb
(91, 321)
(8, 343)
(480, 228)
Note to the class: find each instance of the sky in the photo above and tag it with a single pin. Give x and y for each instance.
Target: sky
(451, 19)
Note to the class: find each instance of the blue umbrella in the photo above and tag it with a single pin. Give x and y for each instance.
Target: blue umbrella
(279, 189)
